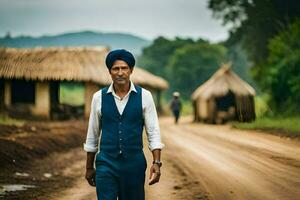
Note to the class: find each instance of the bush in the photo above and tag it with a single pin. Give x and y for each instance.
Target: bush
(289, 126)
(281, 75)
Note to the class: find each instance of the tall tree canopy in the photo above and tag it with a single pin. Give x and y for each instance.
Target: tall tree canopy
(264, 29)
(156, 56)
(193, 64)
(254, 22)
(282, 74)
(178, 60)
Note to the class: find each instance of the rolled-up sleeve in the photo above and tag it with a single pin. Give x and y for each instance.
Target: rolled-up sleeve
(94, 129)
(151, 121)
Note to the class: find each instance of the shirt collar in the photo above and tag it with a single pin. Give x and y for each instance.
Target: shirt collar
(111, 88)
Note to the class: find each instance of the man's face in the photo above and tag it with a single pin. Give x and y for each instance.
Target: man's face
(120, 72)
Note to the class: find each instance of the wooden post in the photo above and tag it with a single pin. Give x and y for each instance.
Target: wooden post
(42, 100)
(7, 93)
(89, 90)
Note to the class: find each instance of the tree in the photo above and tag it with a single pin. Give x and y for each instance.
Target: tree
(240, 62)
(282, 74)
(156, 56)
(186, 63)
(263, 28)
(193, 64)
(254, 22)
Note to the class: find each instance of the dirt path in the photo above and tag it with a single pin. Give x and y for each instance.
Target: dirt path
(205, 162)
(174, 184)
(216, 162)
(233, 164)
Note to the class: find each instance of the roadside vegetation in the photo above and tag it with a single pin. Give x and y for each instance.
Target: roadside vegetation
(72, 93)
(285, 126)
(267, 120)
(6, 120)
(264, 51)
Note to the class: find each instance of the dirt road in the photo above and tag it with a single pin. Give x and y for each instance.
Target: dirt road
(216, 162)
(233, 164)
(199, 162)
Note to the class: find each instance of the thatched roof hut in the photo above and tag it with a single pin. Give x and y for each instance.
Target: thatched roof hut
(224, 97)
(84, 64)
(45, 68)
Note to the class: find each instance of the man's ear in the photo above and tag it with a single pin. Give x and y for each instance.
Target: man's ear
(131, 70)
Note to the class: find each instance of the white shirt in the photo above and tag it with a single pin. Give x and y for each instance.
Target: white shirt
(94, 132)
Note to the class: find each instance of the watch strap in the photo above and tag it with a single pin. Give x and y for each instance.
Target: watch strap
(159, 163)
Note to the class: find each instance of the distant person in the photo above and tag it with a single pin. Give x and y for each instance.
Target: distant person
(114, 137)
(176, 106)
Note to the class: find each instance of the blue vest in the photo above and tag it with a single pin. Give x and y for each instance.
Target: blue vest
(122, 134)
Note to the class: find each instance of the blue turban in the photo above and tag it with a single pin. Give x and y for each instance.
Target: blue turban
(119, 54)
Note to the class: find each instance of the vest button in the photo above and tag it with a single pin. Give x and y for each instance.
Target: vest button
(120, 131)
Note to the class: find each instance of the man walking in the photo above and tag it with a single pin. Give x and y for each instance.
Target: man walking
(176, 106)
(114, 138)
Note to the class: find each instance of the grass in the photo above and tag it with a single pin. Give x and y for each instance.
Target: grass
(286, 126)
(72, 93)
(261, 106)
(289, 126)
(6, 120)
(187, 107)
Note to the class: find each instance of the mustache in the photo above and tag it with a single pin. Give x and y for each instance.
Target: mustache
(120, 79)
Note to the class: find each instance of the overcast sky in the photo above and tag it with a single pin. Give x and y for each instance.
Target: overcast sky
(145, 18)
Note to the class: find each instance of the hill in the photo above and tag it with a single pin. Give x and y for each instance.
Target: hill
(84, 38)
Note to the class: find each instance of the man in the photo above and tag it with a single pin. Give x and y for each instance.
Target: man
(118, 115)
(176, 106)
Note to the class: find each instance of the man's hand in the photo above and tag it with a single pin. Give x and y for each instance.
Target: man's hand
(154, 174)
(90, 176)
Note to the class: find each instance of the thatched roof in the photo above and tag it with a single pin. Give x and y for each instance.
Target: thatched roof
(223, 81)
(66, 63)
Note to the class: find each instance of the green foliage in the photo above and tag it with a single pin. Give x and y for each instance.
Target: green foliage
(288, 126)
(240, 62)
(261, 107)
(160, 59)
(254, 22)
(264, 28)
(72, 93)
(6, 120)
(281, 72)
(193, 64)
(156, 56)
(187, 108)
(231, 11)
(186, 63)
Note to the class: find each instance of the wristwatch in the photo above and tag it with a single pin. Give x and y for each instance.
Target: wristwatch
(157, 162)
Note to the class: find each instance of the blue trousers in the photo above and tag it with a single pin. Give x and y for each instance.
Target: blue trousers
(121, 178)
(176, 114)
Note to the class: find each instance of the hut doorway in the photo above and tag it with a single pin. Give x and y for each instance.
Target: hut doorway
(54, 99)
(22, 92)
(226, 108)
(1, 94)
(67, 100)
(22, 98)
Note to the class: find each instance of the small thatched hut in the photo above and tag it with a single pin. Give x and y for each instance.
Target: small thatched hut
(224, 97)
(30, 78)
